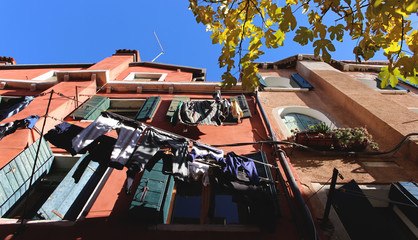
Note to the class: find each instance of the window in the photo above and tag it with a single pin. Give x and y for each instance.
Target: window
(299, 121)
(295, 81)
(241, 99)
(146, 77)
(57, 178)
(126, 107)
(157, 200)
(376, 85)
(300, 117)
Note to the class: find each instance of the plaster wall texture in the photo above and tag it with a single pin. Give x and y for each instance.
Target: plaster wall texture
(116, 64)
(387, 120)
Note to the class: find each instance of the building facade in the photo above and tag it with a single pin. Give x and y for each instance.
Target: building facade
(124, 148)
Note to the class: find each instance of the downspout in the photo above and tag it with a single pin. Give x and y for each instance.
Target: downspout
(308, 222)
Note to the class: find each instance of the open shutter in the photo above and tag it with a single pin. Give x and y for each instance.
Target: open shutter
(152, 199)
(92, 108)
(15, 176)
(301, 81)
(68, 199)
(148, 108)
(243, 105)
(265, 172)
(389, 87)
(174, 103)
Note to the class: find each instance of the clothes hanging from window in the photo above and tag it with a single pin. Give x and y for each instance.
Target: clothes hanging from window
(198, 170)
(200, 151)
(152, 141)
(129, 133)
(11, 127)
(14, 106)
(255, 198)
(206, 112)
(62, 135)
(232, 163)
(236, 110)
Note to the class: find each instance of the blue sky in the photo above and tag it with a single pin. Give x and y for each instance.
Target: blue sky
(84, 31)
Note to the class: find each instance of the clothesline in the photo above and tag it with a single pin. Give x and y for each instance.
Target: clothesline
(164, 131)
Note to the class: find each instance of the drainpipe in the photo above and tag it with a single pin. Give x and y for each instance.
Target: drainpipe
(309, 224)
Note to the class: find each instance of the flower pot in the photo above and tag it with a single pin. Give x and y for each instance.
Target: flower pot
(316, 140)
(355, 147)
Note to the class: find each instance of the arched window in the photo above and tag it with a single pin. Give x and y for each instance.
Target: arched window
(299, 121)
(300, 117)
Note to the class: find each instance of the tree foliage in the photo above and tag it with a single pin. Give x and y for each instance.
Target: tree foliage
(243, 27)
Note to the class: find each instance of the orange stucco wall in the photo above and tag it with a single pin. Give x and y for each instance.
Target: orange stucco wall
(173, 76)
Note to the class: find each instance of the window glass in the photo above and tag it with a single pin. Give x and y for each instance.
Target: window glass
(299, 121)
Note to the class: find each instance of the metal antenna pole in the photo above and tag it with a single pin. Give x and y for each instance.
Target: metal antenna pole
(162, 50)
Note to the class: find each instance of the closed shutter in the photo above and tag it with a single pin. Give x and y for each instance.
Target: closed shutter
(68, 199)
(152, 199)
(174, 103)
(301, 81)
(15, 176)
(243, 105)
(148, 108)
(92, 108)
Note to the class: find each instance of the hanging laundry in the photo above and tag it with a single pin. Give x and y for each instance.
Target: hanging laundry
(200, 151)
(14, 106)
(205, 112)
(62, 135)
(233, 163)
(11, 127)
(129, 133)
(99, 151)
(236, 109)
(256, 197)
(199, 170)
(153, 140)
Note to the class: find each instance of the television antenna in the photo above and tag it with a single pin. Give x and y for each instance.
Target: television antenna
(162, 50)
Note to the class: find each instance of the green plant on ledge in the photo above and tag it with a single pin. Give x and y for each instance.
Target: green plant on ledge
(345, 138)
(348, 137)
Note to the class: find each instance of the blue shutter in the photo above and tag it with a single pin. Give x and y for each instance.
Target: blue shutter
(174, 103)
(301, 81)
(152, 199)
(15, 176)
(92, 108)
(68, 199)
(261, 81)
(389, 87)
(148, 108)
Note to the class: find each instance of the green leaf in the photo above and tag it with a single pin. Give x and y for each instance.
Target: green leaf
(303, 36)
(336, 32)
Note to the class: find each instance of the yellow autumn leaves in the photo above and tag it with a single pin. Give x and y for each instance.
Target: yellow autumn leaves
(243, 27)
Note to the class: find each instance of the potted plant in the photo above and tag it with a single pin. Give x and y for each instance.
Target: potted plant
(317, 136)
(321, 137)
(354, 139)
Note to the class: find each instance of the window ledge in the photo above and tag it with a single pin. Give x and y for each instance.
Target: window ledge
(279, 89)
(204, 228)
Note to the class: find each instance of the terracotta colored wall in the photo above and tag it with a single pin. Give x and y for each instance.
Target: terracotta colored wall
(173, 76)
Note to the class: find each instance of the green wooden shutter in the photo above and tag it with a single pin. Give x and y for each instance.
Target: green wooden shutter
(243, 105)
(92, 108)
(152, 199)
(15, 176)
(148, 108)
(174, 103)
(69, 197)
(265, 172)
